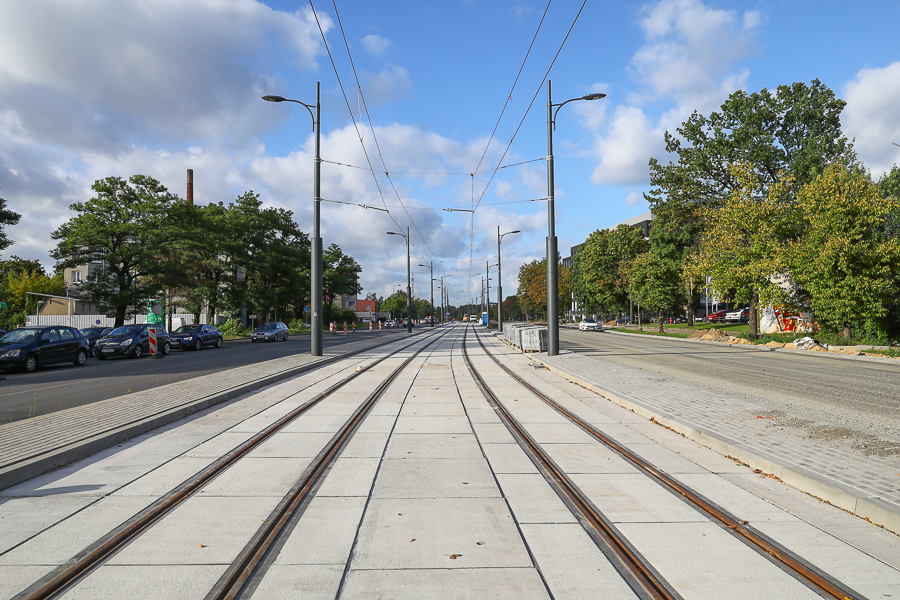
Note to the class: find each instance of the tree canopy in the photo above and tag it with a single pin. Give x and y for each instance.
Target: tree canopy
(7, 217)
(600, 281)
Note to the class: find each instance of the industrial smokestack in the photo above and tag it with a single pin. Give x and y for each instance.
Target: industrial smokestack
(190, 187)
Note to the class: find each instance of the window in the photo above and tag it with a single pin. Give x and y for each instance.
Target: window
(76, 276)
(66, 334)
(50, 335)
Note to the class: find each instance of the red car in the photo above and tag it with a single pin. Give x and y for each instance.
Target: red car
(717, 317)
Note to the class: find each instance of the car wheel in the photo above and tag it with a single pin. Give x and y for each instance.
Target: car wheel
(218, 342)
(167, 348)
(138, 351)
(252, 341)
(31, 363)
(80, 358)
(285, 337)
(198, 344)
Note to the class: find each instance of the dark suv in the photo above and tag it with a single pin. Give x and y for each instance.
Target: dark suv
(131, 340)
(33, 347)
(195, 337)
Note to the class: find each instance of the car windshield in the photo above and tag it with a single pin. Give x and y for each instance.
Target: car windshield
(20, 336)
(188, 329)
(266, 326)
(589, 321)
(91, 333)
(126, 331)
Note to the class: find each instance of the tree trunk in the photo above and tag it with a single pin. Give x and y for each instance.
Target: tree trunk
(660, 319)
(753, 320)
(689, 308)
(846, 333)
(120, 316)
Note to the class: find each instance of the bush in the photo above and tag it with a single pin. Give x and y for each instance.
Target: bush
(232, 328)
(297, 326)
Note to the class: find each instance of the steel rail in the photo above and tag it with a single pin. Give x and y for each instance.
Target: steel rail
(62, 580)
(810, 575)
(243, 569)
(643, 575)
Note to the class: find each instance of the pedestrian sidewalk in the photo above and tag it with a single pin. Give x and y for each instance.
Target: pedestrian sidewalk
(868, 486)
(33, 446)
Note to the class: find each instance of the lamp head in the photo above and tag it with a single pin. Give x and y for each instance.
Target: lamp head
(273, 98)
(593, 96)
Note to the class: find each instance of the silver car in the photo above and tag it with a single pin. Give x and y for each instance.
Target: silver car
(270, 332)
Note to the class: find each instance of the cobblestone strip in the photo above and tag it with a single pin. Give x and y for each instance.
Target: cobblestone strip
(868, 486)
(34, 446)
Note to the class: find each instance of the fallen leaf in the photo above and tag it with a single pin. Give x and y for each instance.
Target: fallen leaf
(480, 543)
(455, 556)
(202, 546)
(412, 540)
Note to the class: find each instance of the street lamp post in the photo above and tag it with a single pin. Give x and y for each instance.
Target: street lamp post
(430, 266)
(500, 281)
(408, 283)
(552, 270)
(316, 268)
(487, 290)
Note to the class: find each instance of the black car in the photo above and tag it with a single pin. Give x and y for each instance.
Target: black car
(33, 347)
(194, 337)
(92, 334)
(132, 340)
(270, 332)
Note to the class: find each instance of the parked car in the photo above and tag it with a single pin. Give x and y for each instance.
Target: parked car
(33, 347)
(270, 332)
(717, 317)
(739, 315)
(92, 334)
(588, 325)
(624, 321)
(194, 337)
(132, 340)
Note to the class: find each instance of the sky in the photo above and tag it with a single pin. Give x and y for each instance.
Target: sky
(422, 103)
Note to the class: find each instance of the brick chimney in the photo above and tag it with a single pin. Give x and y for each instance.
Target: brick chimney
(190, 187)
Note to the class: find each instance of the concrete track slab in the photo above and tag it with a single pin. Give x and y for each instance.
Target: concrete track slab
(291, 445)
(221, 444)
(435, 478)
(532, 500)
(350, 477)
(572, 565)
(426, 533)
(689, 449)
(588, 458)
(290, 582)
(558, 433)
(691, 556)
(664, 459)
(433, 445)
(634, 498)
(482, 413)
(378, 423)
(185, 582)
(21, 518)
(445, 584)
(257, 477)
(315, 424)
(165, 478)
(365, 445)
(442, 425)
(493, 433)
(325, 533)
(508, 458)
(442, 408)
(195, 534)
(624, 434)
(734, 499)
(14, 579)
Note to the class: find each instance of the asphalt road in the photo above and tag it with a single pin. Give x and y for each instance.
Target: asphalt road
(860, 395)
(24, 395)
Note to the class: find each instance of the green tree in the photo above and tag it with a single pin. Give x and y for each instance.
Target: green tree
(7, 217)
(395, 304)
(532, 291)
(844, 260)
(340, 276)
(655, 282)
(600, 283)
(743, 246)
(122, 227)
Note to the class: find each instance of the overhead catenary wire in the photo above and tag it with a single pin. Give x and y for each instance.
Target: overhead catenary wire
(340, 164)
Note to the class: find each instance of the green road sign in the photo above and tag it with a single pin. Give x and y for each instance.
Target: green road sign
(3, 306)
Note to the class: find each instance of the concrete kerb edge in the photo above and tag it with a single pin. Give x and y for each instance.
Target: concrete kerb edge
(878, 359)
(22, 471)
(849, 499)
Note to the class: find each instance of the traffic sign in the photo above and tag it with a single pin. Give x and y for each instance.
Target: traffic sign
(97, 321)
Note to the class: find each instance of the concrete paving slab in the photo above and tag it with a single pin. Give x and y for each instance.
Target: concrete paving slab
(734, 499)
(325, 533)
(689, 449)
(59, 543)
(378, 423)
(435, 478)
(442, 408)
(22, 518)
(185, 582)
(493, 433)
(257, 477)
(286, 445)
(482, 413)
(623, 434)
(691, 556)
(865, 574)
(532, 500)
(350, 477)
(665, 459)
(221, 444)
(365, 445)
(508, 458)
(165, 478)
(262, 420)
(195, 533)
(315, 424)
(289, 582)
(588, 458)
(445, 584)
(14, 579)
(387, 406)
(572, 564)
(426, 533)
(627, 498)
(458, 424)
(433, 445)
(535, 414)
(558, 433)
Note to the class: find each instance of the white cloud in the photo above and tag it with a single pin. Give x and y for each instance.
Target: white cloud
(627, 147)
(634, 199)
(388, 84)
(375, 44)
(872, 116)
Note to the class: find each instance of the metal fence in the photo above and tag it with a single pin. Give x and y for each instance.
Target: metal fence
(82, 321)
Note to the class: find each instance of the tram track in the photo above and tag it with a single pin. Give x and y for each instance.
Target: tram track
(244, 567)
(650, 583)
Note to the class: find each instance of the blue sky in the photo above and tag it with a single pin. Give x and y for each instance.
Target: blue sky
(104, 87)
